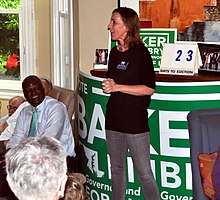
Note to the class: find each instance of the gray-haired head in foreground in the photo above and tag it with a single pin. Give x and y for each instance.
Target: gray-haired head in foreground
(35, 168)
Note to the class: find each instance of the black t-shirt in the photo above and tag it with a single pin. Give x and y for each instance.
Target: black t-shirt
(128, 113)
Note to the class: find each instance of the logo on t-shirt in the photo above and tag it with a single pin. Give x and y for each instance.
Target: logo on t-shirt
(122, 65)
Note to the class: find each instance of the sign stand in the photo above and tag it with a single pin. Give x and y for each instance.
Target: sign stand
(180, 59)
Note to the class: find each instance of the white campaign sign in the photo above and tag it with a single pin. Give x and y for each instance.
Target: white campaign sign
(180, 59)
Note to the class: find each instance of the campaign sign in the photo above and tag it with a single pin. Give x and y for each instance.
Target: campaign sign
(170, 147)
(154, 39)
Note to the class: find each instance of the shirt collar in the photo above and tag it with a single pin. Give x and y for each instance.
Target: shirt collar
(40, 106)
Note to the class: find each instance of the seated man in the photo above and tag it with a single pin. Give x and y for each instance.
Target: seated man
(13, 105)
(50, 117)
(36, 169)
(6, 135)
(11, 121)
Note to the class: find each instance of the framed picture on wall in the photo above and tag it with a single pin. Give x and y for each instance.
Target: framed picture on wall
(210, 55)
(101, 59)
(193, 23)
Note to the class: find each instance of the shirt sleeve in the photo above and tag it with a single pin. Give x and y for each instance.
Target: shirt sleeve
(147, 69)
(20, 130)
(12, 120)
(59, 127)
(55, 123)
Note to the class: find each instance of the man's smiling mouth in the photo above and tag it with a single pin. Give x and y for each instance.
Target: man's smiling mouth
(34, 97)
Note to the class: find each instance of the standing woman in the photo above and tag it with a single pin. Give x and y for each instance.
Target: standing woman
(131, 82)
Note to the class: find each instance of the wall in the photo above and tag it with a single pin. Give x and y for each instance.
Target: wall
(76, 37)
(94, 16)
(4, 110)
(43, 39)
(90, 32)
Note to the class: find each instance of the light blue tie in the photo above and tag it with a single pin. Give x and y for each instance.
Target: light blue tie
(32, 131)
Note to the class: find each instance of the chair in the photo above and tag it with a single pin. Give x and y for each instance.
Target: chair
(204, 135)
(67, 97)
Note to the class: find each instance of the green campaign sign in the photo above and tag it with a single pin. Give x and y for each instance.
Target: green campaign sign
(170, 149)
(154, 39)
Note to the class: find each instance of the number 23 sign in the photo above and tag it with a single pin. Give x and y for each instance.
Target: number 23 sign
(181, 59)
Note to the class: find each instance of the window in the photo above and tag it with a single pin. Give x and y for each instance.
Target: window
(62, 43)
(19, 14)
